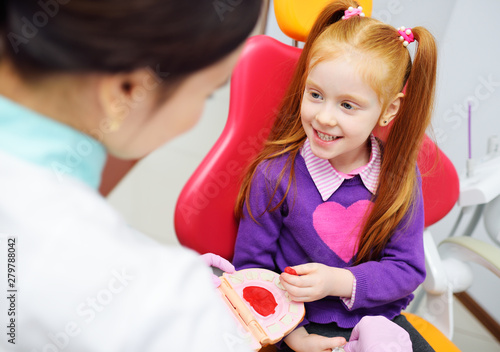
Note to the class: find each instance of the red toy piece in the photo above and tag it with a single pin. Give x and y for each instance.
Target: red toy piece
(260, 299)
(290, 271)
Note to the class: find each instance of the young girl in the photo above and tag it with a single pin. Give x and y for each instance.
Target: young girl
(329, 199)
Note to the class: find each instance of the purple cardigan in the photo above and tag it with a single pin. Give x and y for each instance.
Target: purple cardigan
(287, 237)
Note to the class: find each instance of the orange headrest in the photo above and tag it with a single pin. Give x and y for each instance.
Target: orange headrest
(296, 17)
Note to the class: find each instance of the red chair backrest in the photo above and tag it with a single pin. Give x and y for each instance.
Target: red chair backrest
(440, 182)
(204, 215)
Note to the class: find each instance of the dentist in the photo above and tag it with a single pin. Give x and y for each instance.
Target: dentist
(80, 79)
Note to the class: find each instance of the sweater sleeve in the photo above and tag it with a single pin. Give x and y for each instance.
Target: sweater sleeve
(257, 240)
(402, 266)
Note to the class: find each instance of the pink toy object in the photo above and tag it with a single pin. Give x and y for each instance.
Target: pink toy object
(406, 36)
(260, 305)
(351, 12)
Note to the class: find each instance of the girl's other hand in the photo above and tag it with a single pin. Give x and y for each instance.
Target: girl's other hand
(316, 281)
(301, 341)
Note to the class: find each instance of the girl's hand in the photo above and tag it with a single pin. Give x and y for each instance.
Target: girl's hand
(300, 340)
(315, 281)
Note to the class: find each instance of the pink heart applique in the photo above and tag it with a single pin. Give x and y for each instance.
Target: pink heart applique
(339, 227)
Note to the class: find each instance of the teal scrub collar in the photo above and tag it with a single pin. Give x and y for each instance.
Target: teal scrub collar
(43, 141)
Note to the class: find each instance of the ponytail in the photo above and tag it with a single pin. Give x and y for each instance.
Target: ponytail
(398, 170)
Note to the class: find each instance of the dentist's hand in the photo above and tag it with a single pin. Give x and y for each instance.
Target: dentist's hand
(217, 261)
(378, 334)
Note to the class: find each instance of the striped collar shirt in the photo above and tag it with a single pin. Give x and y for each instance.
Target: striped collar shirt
(328, 180)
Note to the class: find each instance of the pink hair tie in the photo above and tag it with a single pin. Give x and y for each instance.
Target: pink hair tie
(406, 36)
(351, 12)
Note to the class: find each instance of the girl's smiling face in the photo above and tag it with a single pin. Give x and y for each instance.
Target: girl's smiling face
(339, 111)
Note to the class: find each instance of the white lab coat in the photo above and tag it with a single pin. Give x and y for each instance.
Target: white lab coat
(88, 282)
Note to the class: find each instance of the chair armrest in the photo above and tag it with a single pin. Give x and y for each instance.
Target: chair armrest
(471, 250)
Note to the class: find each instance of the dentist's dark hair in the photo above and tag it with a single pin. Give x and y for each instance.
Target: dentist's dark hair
(171, 36)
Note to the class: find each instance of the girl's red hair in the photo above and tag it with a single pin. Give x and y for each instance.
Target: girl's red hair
(388, 70)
